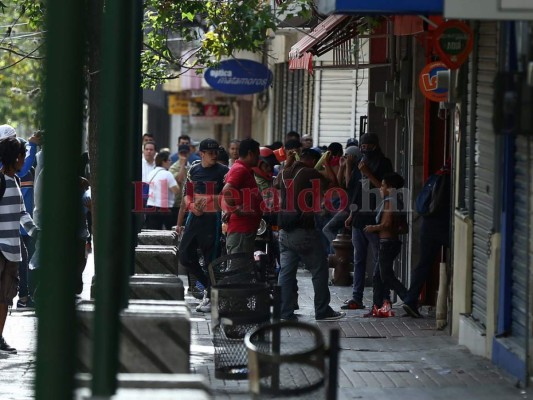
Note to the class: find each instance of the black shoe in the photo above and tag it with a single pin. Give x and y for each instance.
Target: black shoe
(335, 315)
(412, 311)
(26, 305)
(292, 317)
(5, 348)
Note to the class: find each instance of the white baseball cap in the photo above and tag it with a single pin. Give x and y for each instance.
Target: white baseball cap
(7, 131)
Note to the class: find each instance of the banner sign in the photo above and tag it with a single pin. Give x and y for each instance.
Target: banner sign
(239, 76)
(427, 81)
(178, 105)
(453, 41)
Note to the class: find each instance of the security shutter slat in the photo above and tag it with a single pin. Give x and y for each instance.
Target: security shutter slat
(521, 246)
(343, 98)
(293, 101)
(484, 187)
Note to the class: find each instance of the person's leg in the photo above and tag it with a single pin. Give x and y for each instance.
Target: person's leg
(82, 262)
(360, 245)
(335, 225)
(287, 274)
(377, 285)
(315, 258)
(388, 251)
(237, 242)
(8, 287)
(188, 256)
(23, 273)
(429, 249)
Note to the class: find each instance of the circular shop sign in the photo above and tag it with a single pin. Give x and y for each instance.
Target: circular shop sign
(453, 41)
(427, 81)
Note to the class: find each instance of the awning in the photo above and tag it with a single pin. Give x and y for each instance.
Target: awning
(380, 7)
(317, 35)
(329, 34)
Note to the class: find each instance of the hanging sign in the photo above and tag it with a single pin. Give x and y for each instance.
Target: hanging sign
(453, 41)
(178, 105)
(239, 76)
(427, 81)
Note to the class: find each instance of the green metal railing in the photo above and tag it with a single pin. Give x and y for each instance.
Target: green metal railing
(118, 137)
(61, 200)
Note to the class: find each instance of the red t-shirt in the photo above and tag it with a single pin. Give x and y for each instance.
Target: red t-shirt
(247, 196)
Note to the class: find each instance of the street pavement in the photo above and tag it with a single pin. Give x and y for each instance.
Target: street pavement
(399, 357)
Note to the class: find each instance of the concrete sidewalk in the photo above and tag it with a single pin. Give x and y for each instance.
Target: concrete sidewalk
(399, 358)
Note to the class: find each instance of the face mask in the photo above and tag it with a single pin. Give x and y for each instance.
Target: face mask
(368, 152)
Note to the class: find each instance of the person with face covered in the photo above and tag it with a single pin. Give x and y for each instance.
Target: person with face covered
(373, 167)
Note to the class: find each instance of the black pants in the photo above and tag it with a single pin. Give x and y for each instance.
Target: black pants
(162, 218)
(388, 251)
(433, 236)
(201, 233)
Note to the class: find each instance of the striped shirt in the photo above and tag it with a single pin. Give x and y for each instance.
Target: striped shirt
(12, 215)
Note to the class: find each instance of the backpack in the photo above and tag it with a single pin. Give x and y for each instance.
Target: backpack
(431, 196)
(288, 220)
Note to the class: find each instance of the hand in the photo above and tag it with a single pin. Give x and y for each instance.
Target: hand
(199, 205)
(183, 159)
(35, 139)
(350, 160)
(179, 229)
(364, 168)
(369, 229)
(342, 161)
(348, 222)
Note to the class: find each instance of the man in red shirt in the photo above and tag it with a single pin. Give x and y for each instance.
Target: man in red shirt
(243, 200)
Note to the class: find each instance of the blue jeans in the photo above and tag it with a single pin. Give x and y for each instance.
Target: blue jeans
(361, 241)
(296, 245)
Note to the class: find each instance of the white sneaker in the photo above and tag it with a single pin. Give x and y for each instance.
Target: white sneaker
(205, 304)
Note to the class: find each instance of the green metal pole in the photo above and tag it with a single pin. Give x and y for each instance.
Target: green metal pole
(114, 201)
(135, 116)
(56, 347)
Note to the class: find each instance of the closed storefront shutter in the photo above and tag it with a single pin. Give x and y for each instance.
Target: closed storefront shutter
(343, 99)
(484, 167)
(521, 237)
(293, 101)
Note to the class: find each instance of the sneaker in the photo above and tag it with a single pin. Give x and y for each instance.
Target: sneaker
(5, 348)
(333, 316)
(386, 310)
(353, 305)
(26, 305)
(411, 311)
(205, 304)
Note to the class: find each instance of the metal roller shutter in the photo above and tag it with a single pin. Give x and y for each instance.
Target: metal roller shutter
(343, 98)
(484, 167)
(293, 101)
(521, 247)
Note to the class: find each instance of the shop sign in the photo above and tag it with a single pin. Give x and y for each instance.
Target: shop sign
(177, 105)
(453, 41)
(239, 76)
(427, 81)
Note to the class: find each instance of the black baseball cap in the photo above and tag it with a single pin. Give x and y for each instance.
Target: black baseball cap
(209, 144)
(183, 148)
(369, 138)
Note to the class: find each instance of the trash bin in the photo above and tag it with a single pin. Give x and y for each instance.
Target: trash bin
(288, 359)
(236, 310)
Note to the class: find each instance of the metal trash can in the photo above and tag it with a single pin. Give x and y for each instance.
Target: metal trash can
(236, 310)
(288, 359)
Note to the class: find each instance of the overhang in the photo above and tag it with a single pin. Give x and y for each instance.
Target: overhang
(380, 7)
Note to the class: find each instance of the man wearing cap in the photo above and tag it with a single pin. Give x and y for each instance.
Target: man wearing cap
(373, 166)
(201, 230)
(301, 188)
(243, 200)
(183, 139)
(31, 147)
